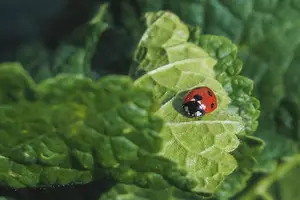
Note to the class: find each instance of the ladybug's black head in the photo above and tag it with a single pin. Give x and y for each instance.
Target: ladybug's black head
(198, 97)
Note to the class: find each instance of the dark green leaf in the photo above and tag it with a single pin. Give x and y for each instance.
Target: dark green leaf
(77, 130)
(129, 192)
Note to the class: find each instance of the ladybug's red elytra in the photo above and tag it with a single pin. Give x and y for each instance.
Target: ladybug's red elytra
(199, 101)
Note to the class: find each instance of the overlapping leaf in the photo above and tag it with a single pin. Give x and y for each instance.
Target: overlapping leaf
(74, 130)
(171, 66)
(246, 154)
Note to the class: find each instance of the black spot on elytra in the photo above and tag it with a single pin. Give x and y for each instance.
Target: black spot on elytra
(212, 105)
(209, 93)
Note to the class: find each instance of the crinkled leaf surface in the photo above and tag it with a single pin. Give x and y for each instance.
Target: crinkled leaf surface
(14, 83)
(129, 192)
(72, 56)
(239, 89)
(267, 33)
(74, 130)
(227, 71)
(246, 154)
(171, 66)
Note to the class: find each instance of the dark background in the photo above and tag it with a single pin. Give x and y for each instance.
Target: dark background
(40, 20)
(47, 22)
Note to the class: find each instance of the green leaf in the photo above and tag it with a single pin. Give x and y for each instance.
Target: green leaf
(128, 192)
(171, 66)
(72, 56)
(77, 130)
(288, 185)
(6, 198)
(267, 41)
(246, 154)
(227, 71)
(267, 34)
(192, 12)
(239, 89)
(262, 189)
(277, 145)
(117, 45)
(14, 83)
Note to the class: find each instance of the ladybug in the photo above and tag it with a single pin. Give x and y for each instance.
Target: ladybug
(199, 101)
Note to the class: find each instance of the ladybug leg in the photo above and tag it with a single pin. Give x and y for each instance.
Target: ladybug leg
(200, 113)
(186, 108)
(200, 110)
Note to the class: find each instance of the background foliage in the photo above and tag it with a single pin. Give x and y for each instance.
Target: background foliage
(266, 34)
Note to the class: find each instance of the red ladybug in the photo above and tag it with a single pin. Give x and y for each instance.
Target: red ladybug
(199, 101)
